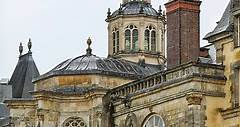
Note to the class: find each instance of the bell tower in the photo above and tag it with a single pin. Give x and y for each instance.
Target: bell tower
(136, 32)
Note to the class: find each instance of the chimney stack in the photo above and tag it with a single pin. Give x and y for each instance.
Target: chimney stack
(183, 31)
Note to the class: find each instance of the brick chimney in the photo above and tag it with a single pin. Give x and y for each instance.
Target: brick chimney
(183, 31)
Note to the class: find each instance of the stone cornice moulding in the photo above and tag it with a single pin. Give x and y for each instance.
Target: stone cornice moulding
(166, 99)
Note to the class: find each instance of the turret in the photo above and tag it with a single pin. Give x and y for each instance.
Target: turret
(136, 29)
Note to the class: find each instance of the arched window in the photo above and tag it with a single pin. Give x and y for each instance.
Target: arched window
(154, 121)
(131, 38)
(150, 39)
(115, 40)
(74, 122)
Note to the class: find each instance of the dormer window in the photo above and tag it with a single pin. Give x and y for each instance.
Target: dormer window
(131, 38)
(115, 34)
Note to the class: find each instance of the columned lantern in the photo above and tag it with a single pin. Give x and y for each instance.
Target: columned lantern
(137, 30)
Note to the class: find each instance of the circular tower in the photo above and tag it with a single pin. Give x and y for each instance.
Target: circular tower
(136, 32)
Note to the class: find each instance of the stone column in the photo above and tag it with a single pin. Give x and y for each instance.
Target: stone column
(141, 30)
(194, 113)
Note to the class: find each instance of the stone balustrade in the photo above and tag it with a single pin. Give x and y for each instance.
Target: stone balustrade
(188, 70)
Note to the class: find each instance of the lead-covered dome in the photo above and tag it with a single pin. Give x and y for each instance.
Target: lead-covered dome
(135, 8)
(92, 64)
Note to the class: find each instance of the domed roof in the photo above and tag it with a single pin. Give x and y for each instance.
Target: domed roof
(134, 8)
(92, 64)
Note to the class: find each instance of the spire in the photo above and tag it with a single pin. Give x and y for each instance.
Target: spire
(89, 50)
(29, 45)
(20, 48)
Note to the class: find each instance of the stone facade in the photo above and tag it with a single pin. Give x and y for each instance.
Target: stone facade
(191, 93)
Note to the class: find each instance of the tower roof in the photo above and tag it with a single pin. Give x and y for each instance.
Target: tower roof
(223, 25)
(22, 76)
(135, 8)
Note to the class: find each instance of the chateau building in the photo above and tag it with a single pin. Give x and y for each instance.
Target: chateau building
(146, 80)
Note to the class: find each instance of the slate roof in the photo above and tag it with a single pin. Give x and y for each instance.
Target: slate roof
(223, 25)
(235, 5)
(4, 111)
(134, 8)
(5, 122)
(92, 64)
(22, 76)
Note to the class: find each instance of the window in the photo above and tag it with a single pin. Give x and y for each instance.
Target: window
(236, 88)
(147, 41)
(115, 40)
(238, 31)
(154, 121)
(150, 39)
(74, 122)
(131, 38)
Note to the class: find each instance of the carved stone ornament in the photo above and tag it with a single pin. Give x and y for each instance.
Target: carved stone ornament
(194, 98)
(131, 120)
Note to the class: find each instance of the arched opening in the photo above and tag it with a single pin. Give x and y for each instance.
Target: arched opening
(154, 121)
(150, 39)
(131, 38)
(115, 35)
(74, 122)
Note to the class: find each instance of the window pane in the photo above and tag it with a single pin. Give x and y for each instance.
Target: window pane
(117, 39)
(127, 40)
(157, 119)
(238, 31)
(153, 41)
(114, 42)
(135, 40)
(151, 121)
(146, 40)
(154, 121)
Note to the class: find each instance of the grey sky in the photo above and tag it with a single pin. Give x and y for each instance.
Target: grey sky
(59, 28)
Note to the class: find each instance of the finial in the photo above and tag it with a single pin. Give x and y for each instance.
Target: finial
(29, 45)
(20, 48)
(164, 13)
(89, 50)
(109, 12)
(141, 11)
(120, 9)
(160, 10)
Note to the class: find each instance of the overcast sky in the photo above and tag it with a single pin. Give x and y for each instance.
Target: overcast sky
(59, 28)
